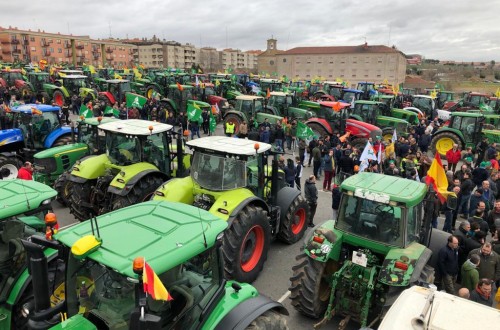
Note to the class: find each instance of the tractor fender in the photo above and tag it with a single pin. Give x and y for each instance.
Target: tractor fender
(414, 256)
(233, 112)
(8, 136)
(176, 190)
(437, 241)
(129, 175)
(19, 83)
(243, 314)
(250, 200)
(327, 246)
(3, 83)
(89, 169)
(134, 180)
(359, 128)
(55, 134)
(323, 122)
(271, 110)
(286, 196)
(108, 96)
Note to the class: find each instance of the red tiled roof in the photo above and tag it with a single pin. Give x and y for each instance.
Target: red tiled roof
(341, 50)
(416, 80)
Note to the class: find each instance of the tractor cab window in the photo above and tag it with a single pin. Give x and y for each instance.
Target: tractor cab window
(125, 87)
(467, 125)
(44, 124)
(258, 105)
(123, 149)
(371, 219)
(86, 135)
(209, 90)
(415, 214)
(218, 173)
(424, 104)
(100, 294)
(155, 151)
(477, 99)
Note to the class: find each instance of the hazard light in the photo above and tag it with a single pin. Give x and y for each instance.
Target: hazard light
(138, 265)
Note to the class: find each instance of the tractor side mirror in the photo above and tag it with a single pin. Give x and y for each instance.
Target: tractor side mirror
(451, 202)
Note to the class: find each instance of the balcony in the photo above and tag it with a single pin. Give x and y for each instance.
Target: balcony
(6, 42)
(79, 46)
(15, 41)
(67, 45)
(109, 57)
(95, 49)
(68, 53)
(26, 42)
(44, 43)
(16, 51)
(46, 52)
(6, 51)
(96, 56)
(109, 50)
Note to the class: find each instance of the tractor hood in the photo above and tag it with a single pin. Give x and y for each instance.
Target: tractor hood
(20, 196)
(362, 129)
(8, 136)
(19, 83)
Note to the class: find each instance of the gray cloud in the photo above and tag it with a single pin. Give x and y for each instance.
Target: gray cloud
(457, 30)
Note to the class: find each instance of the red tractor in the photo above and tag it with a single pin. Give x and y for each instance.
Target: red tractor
(471, 101)
(14, 78)
(333, 117)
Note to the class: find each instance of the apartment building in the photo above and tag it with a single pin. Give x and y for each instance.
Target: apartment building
(57, 48)
(350, 63)
(235, 59)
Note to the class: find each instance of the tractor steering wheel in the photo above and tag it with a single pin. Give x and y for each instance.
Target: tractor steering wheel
(379, 209)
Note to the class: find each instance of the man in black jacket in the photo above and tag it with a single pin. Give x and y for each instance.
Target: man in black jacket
(448, 264)
(311, 193)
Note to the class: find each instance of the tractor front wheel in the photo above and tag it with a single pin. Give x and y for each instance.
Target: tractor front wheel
(295, 223)
(236, 120)
(63, 188)
(246, 243)
(81, 195)
(443, 142)
(270, 320)
(310, 285)
(150, 91)
(9, 167)
(140, 192)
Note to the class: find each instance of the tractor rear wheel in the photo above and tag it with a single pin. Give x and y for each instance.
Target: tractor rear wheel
(63, 187)
(58, 98)
(310, 285)
(25, 91)
(62, 141)
(150, 91)
(232, 118)
(246, 243)
(270, 320)
(44, 98)
(318, 130)
(140, 192)
(9, 167)
(81, 195)
(359, 143)
(295, 224)
(443, 142)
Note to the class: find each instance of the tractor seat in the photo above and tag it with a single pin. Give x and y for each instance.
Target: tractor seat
(368, 229)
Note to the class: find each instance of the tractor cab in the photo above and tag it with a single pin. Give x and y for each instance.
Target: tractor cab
(334, 89)
(36, 122)
(180, 96)
(280, 101)
(424, 103)
(274, 85)
(477, 99)
(408, 91)
(117, 88)
(443, 97)
(249, 105)
(74, 83)
(368, 89)
(13, 77)
(470, 124)
(335, 117)
(38, 79)
(366, 111)
(348, 95)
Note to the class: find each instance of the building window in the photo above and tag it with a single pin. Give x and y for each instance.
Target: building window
(353, 76)
(59, 50)
(284, 60)
(271, 62)
(32, 38)
(379, 76)
(51, 50)
(320, 62)
(33, 49)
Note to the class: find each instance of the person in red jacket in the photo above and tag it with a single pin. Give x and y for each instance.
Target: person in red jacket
(453, 156)
(26, 172)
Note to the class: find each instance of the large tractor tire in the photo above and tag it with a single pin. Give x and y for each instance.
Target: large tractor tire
(294, 226)
(359, 143)
(58, 98)
(442, 142)
(25, 91)
(63, 187)
(270, 320)
(9, 167)
(246, 243)
(80, 194)
(150, 91)
(140, 192)
(310, 285)
(62, 141)
(387, 134)
(318, 130)
(232, 118)
(44, 98)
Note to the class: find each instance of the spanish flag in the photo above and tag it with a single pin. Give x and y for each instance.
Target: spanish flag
(437, 178)
(153, 286)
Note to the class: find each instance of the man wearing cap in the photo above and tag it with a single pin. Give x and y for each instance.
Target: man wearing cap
(392, 169)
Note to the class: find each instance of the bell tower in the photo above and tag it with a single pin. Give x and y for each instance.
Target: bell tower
(271, 44)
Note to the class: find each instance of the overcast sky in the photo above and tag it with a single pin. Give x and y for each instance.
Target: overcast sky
(461, 30)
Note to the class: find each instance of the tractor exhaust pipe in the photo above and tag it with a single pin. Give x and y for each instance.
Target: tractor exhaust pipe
(180, 156)
(38, 269)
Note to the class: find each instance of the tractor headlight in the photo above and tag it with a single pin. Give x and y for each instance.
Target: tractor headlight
(46, 202)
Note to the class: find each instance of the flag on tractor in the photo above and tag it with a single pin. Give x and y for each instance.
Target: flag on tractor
(85, 112)
(152, 284)
(35, 111)
(336, 106)
(436, 177)
(111, 111)
(484, 107)
(197, 83)
(497, 93)
(193, 112)
(212, 122)
(367, 154)
(304, 131)
(179, 87)
(117, 76)
(217, 83)
(135, 100)
(394, 136)
(137, 74)
(268, 93)
(42, 64)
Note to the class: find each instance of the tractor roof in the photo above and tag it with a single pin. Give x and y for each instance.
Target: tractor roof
(352, 90)
(74, 76)
(249, 97)
(19, 196)
(11, 70)
(366, 102)
(331, 104)
(68, 72)
(38, 73)
(175, 86)
(94, 121)
(423, 96)
(333, 83)
(270, 80)
(135, 127)
(229, 145)
(28, 108)
(279, 94)
(397, 189)
(479, 94)
(117, 81)
(166, 234)
(466, 114)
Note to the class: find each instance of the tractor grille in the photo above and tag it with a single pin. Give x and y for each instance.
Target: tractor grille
(45, 165)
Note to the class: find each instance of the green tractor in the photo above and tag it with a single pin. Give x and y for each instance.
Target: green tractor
(53, 165)
(387, 119)
(226, 89)
(140, 155)
(114, 91)
(104, 279)
(40, 86)
(381, 243)
(273, 85)
(288, 105)
(180, 98)
(232, 178)
(249, 107)
(465, 129)
(23, 207)
(69, 85)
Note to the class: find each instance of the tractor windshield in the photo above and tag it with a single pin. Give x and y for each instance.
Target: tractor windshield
(218, 173)
(372, 220)
(423, 103)
(123, 149)
(107, 298)
(88, 134)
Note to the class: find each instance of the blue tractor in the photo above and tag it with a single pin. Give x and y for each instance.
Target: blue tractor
(35, 127)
